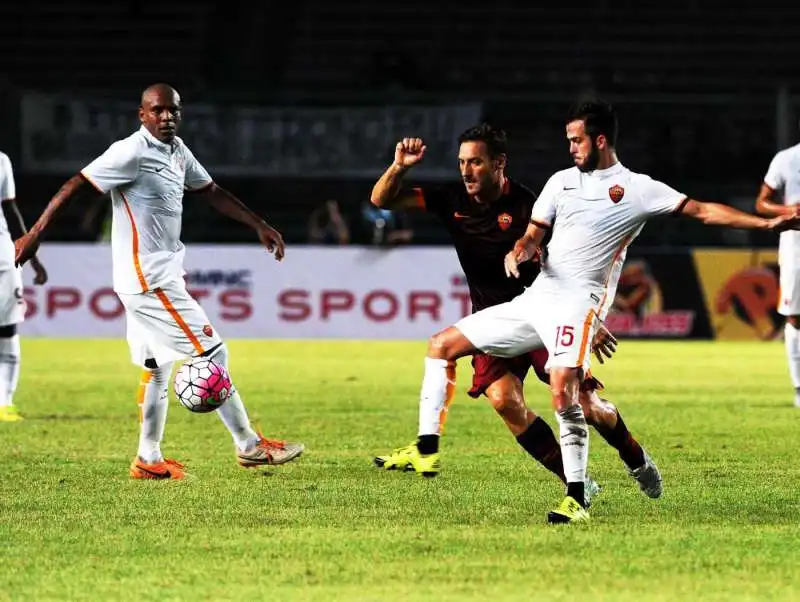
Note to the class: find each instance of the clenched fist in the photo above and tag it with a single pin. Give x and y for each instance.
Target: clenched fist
(409, 152)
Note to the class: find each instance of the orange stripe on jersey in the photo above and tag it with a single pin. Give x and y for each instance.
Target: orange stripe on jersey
(135, 240)
(179, 320)
(587, 329)
(621, 248)
(419, 197)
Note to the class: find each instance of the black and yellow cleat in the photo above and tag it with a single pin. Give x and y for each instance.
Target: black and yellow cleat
(568, 511)
(409, 459)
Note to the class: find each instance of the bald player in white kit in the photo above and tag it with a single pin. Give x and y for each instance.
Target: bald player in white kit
(595, 210)
(780, 195)
(147, 175)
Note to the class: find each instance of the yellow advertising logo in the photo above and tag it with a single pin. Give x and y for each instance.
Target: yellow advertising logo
(741, 292)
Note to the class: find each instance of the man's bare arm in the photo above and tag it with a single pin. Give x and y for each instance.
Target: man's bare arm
(767, 206)
(27, 244)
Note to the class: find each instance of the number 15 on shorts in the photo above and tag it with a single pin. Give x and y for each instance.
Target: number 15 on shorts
(565, 337)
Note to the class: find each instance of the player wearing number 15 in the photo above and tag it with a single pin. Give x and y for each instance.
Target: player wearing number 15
(594, 211)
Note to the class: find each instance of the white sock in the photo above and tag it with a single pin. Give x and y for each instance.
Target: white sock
(574, 443)
(153, 403)
(792, 341)
(432, 396)
(9, 369)
(232, 412)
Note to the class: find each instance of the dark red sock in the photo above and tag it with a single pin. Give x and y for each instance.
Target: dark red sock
(540, 442)
(620, 438)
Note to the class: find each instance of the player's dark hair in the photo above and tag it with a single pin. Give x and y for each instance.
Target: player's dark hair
(598, 117)
(494, 138)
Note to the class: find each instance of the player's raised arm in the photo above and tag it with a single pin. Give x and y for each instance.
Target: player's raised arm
(387, 193)
(28, 243)
(717, 214)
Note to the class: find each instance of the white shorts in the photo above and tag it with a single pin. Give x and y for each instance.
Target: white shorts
(12, 303)
(167, 324)
(562, 324)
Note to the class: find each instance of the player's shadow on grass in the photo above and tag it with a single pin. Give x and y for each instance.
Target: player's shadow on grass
(65, 417)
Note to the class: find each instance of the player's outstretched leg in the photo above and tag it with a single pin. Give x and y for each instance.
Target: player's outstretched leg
(607, 421)
(422, 456)
(152, 399)
(9, 372)
(253, 449)
(574, 439)
(532, 433)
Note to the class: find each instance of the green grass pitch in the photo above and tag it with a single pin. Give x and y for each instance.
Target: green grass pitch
(717, 417)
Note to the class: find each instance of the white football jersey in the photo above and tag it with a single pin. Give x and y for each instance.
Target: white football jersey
(783, 175)
(8, 191)
(594, 216)
(146, 179)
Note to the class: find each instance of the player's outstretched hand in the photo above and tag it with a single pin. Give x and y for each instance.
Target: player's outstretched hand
(516, 256)
(409, 152)
(785, 222)
(272, 240)
(39, 273)
(25, 247)
(603, 344)
(511, 263)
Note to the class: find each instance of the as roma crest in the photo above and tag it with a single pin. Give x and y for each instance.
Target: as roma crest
(504, 221)
(616, 192)
(207, 330)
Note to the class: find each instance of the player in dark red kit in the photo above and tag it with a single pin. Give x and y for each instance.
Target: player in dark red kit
(486, 213)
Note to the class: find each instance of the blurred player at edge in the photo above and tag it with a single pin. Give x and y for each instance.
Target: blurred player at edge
(595, 210)
(147, 174)
(12, 304)
(783, 176)
(486, 213)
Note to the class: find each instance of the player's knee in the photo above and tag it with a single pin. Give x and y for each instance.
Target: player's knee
(439, 345)
(506, 397)
(8, 331)
(597, 410)
(502, 400)
(565, 387)
(449, 344)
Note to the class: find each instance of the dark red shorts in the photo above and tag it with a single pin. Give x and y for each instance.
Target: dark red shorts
(488, 369)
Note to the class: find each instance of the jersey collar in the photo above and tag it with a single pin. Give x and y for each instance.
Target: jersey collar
(608, 171)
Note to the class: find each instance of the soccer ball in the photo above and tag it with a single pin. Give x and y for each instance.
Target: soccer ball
(202, 385)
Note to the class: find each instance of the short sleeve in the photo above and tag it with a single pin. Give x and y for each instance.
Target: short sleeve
(658, 198)
(775, 177)
(8, 188)
(544, 209)
(118, 166)
(196, 175)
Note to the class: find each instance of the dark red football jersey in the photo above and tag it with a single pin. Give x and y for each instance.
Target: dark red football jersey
(483, 233)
